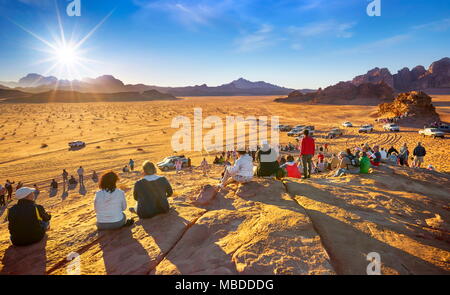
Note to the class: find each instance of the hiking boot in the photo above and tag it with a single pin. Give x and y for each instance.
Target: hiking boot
(129, 222)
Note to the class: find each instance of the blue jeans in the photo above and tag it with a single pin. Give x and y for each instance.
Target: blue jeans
(340, 172)
(45, 225)
(112, 225)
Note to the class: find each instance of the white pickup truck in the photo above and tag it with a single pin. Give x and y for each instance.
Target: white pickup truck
(432, 132)
(366, 129)
(391, 127)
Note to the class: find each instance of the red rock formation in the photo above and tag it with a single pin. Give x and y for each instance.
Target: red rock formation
(415, 103)
(345, 92)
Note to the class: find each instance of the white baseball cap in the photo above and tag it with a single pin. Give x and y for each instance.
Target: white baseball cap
(24, 192)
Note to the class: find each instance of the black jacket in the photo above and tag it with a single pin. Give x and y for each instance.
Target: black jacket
(151, 197)
(392, 150)
(419, 151)
(266, 168)
(24, 223)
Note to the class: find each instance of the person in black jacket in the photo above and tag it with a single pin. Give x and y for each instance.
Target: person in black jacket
(28, 221)
(392, 150)
(419, 153)
(151, 193)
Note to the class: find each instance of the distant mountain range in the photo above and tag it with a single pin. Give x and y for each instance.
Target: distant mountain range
(380, 86)
(35, 83)
(17, 96)
(436, 77)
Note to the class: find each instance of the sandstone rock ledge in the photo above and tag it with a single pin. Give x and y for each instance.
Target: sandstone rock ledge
(324, 225)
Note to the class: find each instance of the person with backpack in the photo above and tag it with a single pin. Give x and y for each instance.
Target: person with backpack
(28, 222)
(344, 164)
(353, 159)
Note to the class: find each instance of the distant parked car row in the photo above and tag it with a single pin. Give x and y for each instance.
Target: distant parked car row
(298, 130)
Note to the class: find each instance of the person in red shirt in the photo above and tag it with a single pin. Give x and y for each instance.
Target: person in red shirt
(307, 151)
(321, 156)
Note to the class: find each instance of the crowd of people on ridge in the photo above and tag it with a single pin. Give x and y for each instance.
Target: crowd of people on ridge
(29, 222)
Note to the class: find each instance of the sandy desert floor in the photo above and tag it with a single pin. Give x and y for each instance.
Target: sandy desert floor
(115, 131)
(403, 219)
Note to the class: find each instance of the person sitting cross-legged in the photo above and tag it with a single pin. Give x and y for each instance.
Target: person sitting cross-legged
(151, 193)
(109, 204)
(241, 171)
(28, 222)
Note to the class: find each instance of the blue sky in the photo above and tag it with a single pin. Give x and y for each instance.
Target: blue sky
(298, 44)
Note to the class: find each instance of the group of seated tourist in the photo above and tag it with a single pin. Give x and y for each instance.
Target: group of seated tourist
(28, 222)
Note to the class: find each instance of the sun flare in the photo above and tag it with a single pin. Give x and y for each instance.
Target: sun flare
(66, 55)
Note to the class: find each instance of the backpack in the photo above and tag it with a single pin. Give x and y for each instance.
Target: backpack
(353, 160)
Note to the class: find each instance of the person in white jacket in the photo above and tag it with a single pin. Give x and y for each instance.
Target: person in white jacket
(110, 204)
(241, 171)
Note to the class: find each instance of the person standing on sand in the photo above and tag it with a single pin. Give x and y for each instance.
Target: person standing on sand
(307, 151)
(54, 184)
(419, 153)
(28, 222)
(9, 189)
(65, 177)
(94, 176)
(2, 196)
(178, 165)
(80, 172)
(131, 164)
(36, 191)
(403, 156)
(151, 193)
(205, 166)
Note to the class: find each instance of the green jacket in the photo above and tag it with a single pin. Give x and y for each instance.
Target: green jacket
(364, 165)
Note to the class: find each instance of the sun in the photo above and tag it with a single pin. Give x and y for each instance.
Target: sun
(66, 55)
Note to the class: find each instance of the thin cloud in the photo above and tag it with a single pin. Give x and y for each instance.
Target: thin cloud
(437, 26)
(310, 5)
(189, 13)
(257, 40)
(377, 45)
(327, 28)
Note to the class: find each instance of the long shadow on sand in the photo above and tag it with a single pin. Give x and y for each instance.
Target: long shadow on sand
(117, 247)
(328, 227)
(30, 260)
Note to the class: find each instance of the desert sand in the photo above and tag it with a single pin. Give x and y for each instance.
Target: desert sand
(322, 226)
